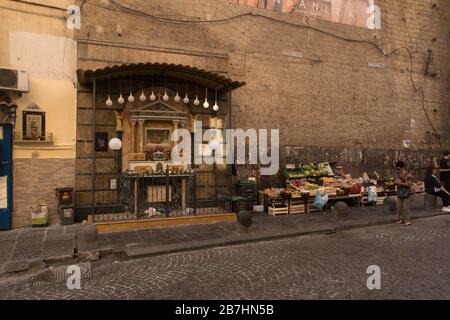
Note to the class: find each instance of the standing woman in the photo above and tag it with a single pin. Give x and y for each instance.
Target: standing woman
(404, 184)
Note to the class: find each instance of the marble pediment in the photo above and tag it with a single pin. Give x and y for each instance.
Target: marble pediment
(157, 110)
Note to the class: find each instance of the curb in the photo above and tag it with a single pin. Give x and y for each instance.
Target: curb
(145, 251)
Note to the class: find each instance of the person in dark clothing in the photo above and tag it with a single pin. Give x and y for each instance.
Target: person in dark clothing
(434, 186)
(445, 170)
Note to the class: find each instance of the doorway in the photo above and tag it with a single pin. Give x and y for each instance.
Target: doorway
(5, 176)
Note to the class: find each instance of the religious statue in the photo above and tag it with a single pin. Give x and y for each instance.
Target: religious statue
(119, 119)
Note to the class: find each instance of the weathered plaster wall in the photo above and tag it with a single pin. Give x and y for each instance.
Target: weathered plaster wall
(35, 39)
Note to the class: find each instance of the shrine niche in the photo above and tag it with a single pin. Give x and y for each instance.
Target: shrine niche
(147, 131)
(142, 105)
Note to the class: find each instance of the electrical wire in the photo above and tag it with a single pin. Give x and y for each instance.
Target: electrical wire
(328, 33)
(40, 5)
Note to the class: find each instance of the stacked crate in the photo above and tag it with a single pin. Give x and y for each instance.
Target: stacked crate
(249, 191)
(278, 206)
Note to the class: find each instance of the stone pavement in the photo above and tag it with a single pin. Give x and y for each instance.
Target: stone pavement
(414, 264)
(158, 241)
(35, 249)
(31, 249)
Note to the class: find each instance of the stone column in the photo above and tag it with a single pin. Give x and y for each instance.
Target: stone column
(141, 136)
(133, 136)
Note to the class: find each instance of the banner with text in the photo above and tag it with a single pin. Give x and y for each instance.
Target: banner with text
(359, 13)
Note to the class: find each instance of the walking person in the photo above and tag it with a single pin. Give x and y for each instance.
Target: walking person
(404, 184)
(434, 187)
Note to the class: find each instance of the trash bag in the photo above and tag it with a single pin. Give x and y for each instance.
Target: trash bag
(321, 200)
(372, 194)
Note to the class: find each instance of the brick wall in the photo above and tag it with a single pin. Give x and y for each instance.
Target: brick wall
(332, 96)
(35, 181)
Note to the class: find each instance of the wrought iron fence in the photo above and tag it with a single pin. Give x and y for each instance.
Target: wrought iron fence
(166, 194)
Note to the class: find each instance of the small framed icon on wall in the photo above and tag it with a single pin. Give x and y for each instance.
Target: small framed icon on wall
(33, 125)
(101, 141)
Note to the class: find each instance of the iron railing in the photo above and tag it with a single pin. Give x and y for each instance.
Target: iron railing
(164, 194)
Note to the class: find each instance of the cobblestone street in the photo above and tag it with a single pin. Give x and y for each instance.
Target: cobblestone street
(414, 262)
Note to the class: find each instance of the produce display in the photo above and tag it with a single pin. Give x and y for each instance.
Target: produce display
(308, 180)
(309, 170)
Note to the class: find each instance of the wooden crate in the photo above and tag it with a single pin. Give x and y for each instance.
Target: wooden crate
(278, 211)
(278, 206)
(297, 209)
(296, 205)
(380, 201)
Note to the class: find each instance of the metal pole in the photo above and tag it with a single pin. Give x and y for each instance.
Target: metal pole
(194, 175)
(116, 155)
(228, 126)
(167, 193)
(94, 109)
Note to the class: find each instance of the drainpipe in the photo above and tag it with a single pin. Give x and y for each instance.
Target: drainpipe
(94, 109)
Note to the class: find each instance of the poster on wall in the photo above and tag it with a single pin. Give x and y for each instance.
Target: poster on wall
(4, 192)
(353, 12)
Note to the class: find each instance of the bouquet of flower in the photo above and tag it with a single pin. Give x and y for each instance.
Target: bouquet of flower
(158, 152)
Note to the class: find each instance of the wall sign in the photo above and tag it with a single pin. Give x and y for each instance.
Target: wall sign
(4, 192)
(353, 12)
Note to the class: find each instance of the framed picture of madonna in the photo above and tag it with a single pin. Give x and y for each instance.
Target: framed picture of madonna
(33, 125)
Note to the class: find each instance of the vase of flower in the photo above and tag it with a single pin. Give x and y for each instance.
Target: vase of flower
(158, 152)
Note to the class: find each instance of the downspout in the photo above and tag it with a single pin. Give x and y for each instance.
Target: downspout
(94, 109)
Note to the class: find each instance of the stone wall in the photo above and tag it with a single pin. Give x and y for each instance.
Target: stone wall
(35, 181)
(332, 93)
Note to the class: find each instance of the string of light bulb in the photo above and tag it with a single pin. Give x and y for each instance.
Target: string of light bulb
(166, 97)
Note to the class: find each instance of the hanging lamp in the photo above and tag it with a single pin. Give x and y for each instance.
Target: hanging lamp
(216, 106)
(143, 98)
(121, 100)
(206, 104)
(109, 102)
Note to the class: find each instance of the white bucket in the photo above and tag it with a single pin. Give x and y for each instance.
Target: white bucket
(258, 208)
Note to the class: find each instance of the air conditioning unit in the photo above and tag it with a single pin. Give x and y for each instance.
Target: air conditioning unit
(14, 80)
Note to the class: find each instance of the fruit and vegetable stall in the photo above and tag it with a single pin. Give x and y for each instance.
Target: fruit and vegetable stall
(315, 187)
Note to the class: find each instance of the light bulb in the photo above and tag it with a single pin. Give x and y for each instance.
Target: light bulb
(131, 98)
(177, 98)
(143, 97)
(216, 107)
(196, 102)
(166, 97)
(121, 100)
(115, 144)
(109, 102)
(186, 99)
(206, 104)
(153, 96)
